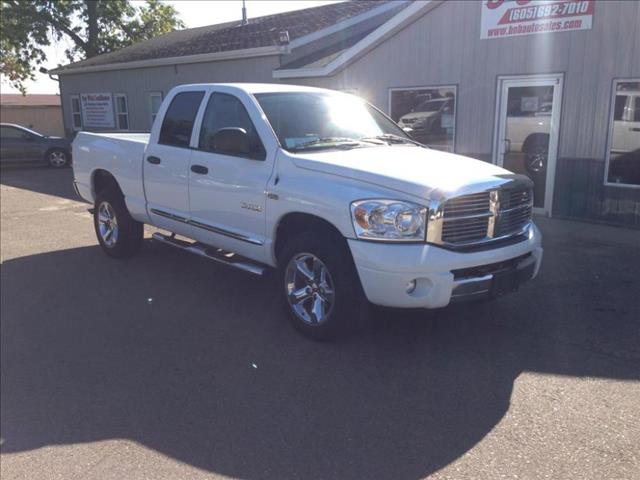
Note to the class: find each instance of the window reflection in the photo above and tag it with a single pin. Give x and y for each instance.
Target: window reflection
(623, 166)
(427, 114)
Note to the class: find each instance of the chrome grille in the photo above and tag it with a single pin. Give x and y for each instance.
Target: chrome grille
(466, 218)
(515, 211)
(482, 217)
(467, 205)
(465, 230)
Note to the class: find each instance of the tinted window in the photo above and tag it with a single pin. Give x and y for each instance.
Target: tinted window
(178, 121)
(8, 132)
(226, 111)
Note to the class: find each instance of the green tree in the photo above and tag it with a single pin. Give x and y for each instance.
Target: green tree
(91, 27)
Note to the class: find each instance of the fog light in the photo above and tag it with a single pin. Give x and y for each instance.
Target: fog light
(411, 286)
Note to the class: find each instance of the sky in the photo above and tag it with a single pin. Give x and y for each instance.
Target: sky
(194, 13)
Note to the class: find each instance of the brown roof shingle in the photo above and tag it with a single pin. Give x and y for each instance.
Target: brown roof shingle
(258, 32)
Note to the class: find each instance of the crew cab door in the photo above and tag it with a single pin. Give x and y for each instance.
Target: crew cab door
(226, 187)
(166, 163)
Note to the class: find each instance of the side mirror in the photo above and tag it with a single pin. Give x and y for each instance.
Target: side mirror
(232, 141)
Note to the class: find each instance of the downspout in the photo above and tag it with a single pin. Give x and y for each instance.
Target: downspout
(62, 110)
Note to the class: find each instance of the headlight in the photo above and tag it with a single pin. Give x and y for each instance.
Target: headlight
(389, 220)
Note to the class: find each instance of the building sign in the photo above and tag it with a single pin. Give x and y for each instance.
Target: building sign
(97, 110)
(510, 18)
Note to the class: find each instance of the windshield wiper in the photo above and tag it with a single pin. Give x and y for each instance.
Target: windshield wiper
(392, 139)
(328, 142)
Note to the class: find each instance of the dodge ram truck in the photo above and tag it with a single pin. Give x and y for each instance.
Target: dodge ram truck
(319, 187)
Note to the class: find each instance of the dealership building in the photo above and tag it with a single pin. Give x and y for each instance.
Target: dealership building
(550, 89)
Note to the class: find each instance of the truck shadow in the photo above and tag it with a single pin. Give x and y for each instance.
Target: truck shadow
(40, 179)
(197, 362)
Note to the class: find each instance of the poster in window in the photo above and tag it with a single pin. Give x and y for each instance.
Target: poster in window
(97, 110)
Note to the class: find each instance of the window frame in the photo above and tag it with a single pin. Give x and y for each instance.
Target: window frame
(205, 105)
(607, 153)
(118, 113)
(152, 116)
(453, 86)
(73, 113)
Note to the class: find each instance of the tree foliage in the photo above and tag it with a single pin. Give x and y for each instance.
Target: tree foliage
(91, 27)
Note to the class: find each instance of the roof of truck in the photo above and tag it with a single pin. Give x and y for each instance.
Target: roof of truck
(260, 87)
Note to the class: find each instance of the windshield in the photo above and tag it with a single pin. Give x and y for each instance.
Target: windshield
(312, 120)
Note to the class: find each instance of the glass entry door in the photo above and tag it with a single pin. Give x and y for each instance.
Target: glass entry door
(527, 133)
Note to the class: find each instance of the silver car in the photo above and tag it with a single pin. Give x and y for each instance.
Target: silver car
(20, 145)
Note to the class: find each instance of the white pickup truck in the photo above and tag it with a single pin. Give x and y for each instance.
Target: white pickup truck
(320, 186)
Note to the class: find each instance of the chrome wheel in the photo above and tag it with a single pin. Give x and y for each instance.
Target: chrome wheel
(537, 159)
(309, 288)
(107, 224)
(57, 158)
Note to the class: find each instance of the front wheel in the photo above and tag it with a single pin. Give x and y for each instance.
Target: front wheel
(321, 288)
(57, 158)
(119, 235)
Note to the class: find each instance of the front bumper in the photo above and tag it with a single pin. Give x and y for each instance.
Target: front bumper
(441, 275)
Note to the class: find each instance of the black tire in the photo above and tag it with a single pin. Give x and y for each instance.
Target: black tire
(349, 305)
(127, 238)
(58, 158)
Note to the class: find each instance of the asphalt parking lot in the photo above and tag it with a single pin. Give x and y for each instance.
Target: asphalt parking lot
(168, 366)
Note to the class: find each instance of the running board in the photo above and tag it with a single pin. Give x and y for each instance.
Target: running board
(215, 254)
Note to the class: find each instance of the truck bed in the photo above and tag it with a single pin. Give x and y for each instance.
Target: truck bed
(119, 154)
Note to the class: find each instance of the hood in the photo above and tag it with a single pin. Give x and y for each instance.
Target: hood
(418, 115)
(413, 170)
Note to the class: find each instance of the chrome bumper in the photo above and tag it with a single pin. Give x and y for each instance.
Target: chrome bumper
(504, 279)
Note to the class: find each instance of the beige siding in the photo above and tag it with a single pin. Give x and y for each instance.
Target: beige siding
(43, 119)
(444, 47)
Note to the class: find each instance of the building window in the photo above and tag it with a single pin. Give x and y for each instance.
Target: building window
(76, 115)
(623, 152)
(155, 100)
(427, 114)
(122, 111)
(177, 124)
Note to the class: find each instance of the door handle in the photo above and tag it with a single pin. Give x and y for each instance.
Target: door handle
(199, 169)
(634, 129)
(153, 160)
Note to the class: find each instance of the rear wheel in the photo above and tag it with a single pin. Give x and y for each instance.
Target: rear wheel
(57, 158)
(119, 235)
(320, 286)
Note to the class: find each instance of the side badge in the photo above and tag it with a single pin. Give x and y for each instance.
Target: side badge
(250, 206)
